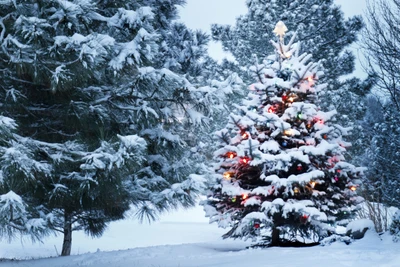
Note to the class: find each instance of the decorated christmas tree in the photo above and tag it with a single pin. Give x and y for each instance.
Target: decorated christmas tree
(281, 176)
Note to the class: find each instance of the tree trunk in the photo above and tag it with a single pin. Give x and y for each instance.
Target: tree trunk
(275, 237)
(67, 243)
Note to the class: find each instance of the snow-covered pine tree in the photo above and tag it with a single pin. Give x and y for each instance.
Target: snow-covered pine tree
(184, 52)
(103, 101)
(281, 176)
(382, 175)
(15, 215)
(70, 159)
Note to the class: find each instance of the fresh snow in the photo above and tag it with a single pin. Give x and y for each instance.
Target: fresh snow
(360, 225)
(7, 122)
(185, 239)
(11, 197)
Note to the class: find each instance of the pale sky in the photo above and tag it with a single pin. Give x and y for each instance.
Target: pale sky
(200, 14)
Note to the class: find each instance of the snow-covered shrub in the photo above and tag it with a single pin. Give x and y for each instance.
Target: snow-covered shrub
(395, 226)
(357, 229)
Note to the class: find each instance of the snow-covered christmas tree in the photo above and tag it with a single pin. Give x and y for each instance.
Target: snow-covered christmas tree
(281, 176)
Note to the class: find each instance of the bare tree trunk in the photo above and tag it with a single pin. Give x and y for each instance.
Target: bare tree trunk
(275, 237)
(67, 243)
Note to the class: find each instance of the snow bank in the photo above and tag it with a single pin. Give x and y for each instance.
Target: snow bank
(360, 225)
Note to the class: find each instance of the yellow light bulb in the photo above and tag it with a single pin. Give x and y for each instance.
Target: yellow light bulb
(230, 155)
(227, 175)
(288, 132)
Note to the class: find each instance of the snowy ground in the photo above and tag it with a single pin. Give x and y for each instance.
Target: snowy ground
(185, 239)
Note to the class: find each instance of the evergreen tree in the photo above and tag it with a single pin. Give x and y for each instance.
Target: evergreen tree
(15, 215)
(382, 175)
(102, 97)
(281, 176)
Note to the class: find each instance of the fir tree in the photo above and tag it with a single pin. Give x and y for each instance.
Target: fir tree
(281, 176)
(103, 103)
(382, 175)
